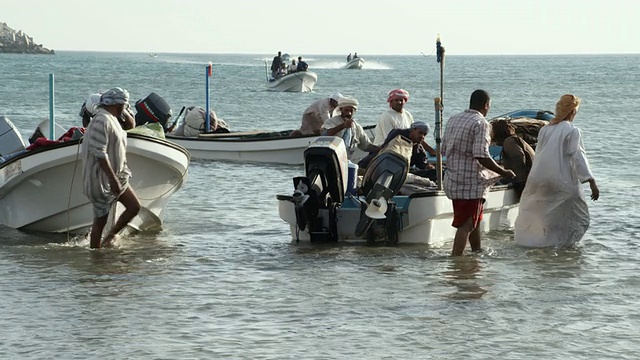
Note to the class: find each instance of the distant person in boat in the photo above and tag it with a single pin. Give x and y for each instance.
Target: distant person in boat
(416, 133)
(194, 123)
(355, 55)
(282, 71)
(90, 107)
(302, 65)
(396, 117)
(349, 57)
(344, 126)
(276, 64)
(470, 169)
(105, 173)
(293, 67)
(553, 211)
(516, 154)
(317, 114)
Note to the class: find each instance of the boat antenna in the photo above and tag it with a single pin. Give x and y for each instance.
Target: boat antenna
(207, 123)
(52, 112)
(439, 106)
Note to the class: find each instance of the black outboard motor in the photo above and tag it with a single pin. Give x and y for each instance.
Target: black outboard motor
(152, 109)
(383, 179)
(320, 193)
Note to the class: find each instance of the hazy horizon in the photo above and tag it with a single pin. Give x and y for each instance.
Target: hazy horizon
(330, 27)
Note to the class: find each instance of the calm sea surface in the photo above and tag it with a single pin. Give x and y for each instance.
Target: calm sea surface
(223, 281)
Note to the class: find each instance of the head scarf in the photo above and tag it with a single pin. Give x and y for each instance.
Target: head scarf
(115, 96)
(421, 125)
(398, 94)
(337, 96)
(565, 105)
(91, 105)
(347, 101)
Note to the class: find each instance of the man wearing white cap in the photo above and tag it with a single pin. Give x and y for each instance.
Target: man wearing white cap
(343, 125)
(317, 114)
(105, 173)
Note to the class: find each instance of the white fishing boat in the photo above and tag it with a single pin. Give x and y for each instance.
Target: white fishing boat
(248, 146)
(264, 147)
(41, 189)
(299, 81)
(356, 63)
(326, 205)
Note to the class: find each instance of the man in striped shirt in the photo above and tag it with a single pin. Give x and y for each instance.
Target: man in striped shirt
(105, 173)
(470, 169)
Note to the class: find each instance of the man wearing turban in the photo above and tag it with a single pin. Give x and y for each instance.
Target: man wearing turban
(317, 114)
(105, 173)
(343, 125)
(553, 211)
(396, 117)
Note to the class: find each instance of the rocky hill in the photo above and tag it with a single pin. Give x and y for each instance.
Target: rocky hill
(12, 41)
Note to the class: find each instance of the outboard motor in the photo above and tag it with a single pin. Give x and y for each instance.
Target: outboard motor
(152, 109)
(383, 178)
(320, 193)
(10, 138)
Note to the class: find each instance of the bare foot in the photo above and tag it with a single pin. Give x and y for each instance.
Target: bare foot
(108, 241)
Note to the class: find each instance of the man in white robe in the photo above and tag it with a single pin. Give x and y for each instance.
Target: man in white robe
(105, 173)
(345, 127)
(553, 210)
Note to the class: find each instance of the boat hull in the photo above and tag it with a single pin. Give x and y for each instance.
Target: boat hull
(253, 147)
(300, 81)
(426, 217)
(42, 190)
(356, 63)
(273, 150)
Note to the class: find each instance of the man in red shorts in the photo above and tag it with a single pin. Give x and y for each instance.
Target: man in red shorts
(470, 169)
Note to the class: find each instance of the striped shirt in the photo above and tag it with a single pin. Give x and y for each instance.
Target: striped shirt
(104, 138)
(467, 137)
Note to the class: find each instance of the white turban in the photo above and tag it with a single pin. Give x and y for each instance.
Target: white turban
(347, 101)
(115, 96)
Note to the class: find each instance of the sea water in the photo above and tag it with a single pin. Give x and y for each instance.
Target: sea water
(223, 280)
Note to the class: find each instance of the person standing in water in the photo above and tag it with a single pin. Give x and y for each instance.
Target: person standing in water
(553, 210)
(105, 173)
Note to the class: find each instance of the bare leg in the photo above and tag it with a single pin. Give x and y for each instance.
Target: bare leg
(462, 235)
(96, 231)
(474, 240)
(132, 207)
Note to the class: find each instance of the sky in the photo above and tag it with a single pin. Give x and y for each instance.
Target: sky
(369, 27)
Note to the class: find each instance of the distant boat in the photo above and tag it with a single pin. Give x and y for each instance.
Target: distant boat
(153, 55)
(299, 81)
(356, 63)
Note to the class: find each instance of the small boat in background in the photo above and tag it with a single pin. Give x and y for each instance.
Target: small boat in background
(299, 81)
(356, 63)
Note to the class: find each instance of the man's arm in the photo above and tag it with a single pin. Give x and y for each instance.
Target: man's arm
(490, 164)
(334, 130)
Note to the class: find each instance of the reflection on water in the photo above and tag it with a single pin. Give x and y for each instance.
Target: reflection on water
(557, 263)
(463, 273)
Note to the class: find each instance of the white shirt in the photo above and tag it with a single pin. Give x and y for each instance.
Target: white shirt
(389, 120)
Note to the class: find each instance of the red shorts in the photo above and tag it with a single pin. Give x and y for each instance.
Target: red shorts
(464, 209)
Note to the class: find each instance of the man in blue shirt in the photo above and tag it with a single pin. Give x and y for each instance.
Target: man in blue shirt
(302, 66)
